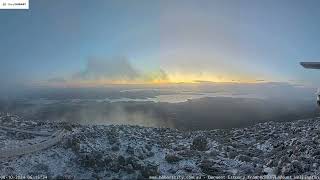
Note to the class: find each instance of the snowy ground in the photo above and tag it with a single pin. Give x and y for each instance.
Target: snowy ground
(133, 152)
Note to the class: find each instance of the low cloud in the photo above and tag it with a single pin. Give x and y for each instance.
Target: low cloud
(119, 115)
(57, 80)
(155, 76)
(112, 70)
(203, 81)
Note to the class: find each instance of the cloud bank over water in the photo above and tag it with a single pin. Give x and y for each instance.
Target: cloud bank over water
(116, 70)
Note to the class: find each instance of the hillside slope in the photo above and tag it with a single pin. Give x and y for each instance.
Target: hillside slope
(133, 152)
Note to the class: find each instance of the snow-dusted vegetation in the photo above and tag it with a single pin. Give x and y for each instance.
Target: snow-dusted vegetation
(133, 152)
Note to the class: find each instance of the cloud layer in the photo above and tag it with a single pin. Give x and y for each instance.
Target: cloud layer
(113, 69)
(117, 70)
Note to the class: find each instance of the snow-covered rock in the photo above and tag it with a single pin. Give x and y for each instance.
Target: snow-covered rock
(134, 152)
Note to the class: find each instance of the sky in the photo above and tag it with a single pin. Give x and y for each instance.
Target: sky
(116, 41)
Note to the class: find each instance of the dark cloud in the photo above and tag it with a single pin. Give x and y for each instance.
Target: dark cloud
(118, 69)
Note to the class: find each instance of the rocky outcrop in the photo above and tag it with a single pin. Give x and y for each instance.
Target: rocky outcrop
(133, 152)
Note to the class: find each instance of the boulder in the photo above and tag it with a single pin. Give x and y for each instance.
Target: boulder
(136, 163)
(121, 160)
(130, 150)
(73, 143)
(199, 143)
(293, 168)
(172, 158)
(150, 170)
(232, 154)
(210, 168)
(244, 158)
(115, 148)
(92, 160)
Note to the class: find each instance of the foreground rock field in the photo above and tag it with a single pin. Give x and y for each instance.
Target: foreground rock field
(132, 152)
